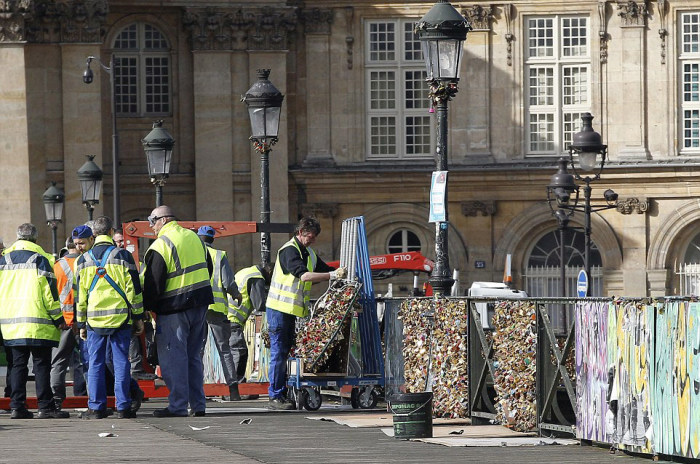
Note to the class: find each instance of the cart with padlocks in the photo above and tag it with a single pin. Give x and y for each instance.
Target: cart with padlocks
(339, 345)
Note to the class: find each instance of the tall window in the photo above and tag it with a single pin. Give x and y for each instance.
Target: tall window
(398, 122)
(690, 78)
(142, 72)
(557, 81)
(402, 241)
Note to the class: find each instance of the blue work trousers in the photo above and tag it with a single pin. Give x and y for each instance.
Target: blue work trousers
(97, 354)
(280, 326)
(179, 339)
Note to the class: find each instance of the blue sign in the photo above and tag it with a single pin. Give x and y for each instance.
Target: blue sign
(582, 284)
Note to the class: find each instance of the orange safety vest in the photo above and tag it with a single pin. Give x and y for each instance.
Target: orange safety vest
(63, 269)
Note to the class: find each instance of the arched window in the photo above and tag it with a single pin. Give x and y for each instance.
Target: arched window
(689, 271)
(142, 72)
(403, 240)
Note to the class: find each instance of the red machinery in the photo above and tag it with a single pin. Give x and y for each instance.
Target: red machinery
(385, 266)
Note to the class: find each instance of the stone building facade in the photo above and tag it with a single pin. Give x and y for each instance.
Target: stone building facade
(357, 133)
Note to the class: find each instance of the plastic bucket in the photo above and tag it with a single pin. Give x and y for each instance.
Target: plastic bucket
(413, 415)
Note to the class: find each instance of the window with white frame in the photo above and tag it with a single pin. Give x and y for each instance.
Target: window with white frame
(402, 241)
(398, 120)
(141, 72)
(690, 81)
(557, 81)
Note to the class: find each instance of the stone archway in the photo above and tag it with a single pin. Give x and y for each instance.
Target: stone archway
(526, 229)
(382, 220)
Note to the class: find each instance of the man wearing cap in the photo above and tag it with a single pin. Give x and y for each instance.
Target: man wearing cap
(108, 301)
(222, 285)
(30, 319)
(63, 355)
(252, 282)
(177, 289)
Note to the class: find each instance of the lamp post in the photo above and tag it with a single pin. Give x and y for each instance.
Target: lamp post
(158, 145)
(88, 77)
(584, 157)
(53, 204)
(264, 105)
(442, 31)
(90, 177)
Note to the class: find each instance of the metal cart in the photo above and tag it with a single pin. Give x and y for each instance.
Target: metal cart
(364, 371)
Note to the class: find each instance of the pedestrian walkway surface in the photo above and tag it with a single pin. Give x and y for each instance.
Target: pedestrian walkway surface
(246, 432)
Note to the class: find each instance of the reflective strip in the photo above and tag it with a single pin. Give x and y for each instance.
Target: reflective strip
(298, 300)
(216, 278)
(179, 271)
(107, 312)
(26, 320)
(55, 312)
(283, 288)
(15, 267)
(218, 299)
(173, 251)
(189, 288)
(137, 305)
(65, 291)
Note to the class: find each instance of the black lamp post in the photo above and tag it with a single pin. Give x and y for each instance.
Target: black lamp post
(584, 157)
(158, 145)
(53, 204)
(442, 32)
(88, 77)
(90, 177)
(264, 104)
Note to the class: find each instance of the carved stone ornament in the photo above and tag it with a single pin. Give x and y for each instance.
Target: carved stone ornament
(46, 21)
(632, 205)
(510, 37)
(317, 20)
(13, 18)
(472, 208)
(603, 31)
(329, 210)
(633, 13)
(243, 29)
(663, 31)
(480, 17)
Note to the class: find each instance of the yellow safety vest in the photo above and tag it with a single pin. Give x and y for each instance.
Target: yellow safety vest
(288, 294)
(104, 307)
(240, 314)
(28, 297)
(217, 286)
(184, 255)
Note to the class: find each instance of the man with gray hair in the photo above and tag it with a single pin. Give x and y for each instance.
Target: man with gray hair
(30, 319)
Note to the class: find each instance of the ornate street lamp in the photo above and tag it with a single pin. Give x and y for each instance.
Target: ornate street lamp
(264, 105)
(442, 32)
(90, 177)
(88, 77)
(53, 204)
(158, 145)
(587, 153)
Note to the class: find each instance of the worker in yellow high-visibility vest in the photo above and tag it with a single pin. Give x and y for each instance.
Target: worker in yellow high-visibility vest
(297, 267)
(30, 319)
(177, 288)
(223, 286)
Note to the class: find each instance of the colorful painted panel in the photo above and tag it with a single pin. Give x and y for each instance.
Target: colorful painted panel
(591, 370)
(629, 354)
(676, 401)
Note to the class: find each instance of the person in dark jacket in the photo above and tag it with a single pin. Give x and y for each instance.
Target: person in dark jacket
(177, 288)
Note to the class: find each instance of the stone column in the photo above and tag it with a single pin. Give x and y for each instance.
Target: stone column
(82, 130)
(471, 142)
(631, 78)
(634, 245)
(317, 28)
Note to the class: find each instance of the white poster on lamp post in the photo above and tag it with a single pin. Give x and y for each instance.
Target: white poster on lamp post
(438, 189)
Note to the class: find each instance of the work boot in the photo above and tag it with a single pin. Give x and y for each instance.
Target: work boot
(233, 393)
(21, 413)
(126, 414)
(280, 404)
(136, 399)
(55, 413)
(94, 414)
